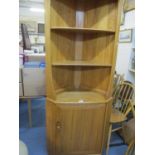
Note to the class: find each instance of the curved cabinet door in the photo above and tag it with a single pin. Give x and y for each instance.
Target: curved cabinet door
(76, 129)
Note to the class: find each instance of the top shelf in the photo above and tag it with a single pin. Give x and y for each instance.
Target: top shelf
(82, 30)
(84, 15)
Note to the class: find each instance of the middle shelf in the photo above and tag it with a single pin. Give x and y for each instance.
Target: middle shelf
(80, 63)
(82, 30)
(69, 47)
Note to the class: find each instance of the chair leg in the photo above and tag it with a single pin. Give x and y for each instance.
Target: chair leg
(30, 112)
(108, 141)
(123, 134)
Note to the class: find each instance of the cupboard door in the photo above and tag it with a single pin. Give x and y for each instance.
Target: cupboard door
(79, 130)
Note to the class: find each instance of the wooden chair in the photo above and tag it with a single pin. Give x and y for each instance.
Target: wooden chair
(131, 148)
(122, 105)
(118, 79)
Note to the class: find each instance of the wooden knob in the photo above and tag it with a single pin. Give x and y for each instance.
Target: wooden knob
(58, 125)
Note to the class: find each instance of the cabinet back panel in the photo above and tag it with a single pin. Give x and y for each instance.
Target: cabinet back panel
(63, 78)
(98, 48)
(63, 46)
(95, 78)
(93, 47)
(90, 78)
(101, 14)
(63, 13)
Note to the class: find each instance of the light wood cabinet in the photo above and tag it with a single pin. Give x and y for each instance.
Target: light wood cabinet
(76, 129)
(81, 43)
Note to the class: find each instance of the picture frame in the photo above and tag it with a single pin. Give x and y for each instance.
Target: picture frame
(125, 36)
(129, 5)
(133, 38)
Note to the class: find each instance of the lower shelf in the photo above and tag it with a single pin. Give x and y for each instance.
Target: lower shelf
(79, 97)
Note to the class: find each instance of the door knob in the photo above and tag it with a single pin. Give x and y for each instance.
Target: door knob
(58, 125)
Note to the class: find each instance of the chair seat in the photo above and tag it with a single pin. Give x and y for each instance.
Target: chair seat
(117, 116)
(22, 148)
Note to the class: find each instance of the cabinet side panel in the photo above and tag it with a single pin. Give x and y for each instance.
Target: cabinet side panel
(50, 127)
(49, 86)
(117, 26)
(107, 124)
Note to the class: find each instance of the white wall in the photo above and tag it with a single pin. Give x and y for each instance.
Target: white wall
(26, 14)
(125, 49)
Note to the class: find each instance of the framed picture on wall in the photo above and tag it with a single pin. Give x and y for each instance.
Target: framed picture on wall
(133, 38)
(125, 36)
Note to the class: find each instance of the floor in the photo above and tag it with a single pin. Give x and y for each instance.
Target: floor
(35, 137)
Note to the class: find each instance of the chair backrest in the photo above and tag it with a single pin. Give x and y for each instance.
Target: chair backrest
(123, 96)
(118, 79)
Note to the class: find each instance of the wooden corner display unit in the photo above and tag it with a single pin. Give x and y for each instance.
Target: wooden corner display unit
(81, 44)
